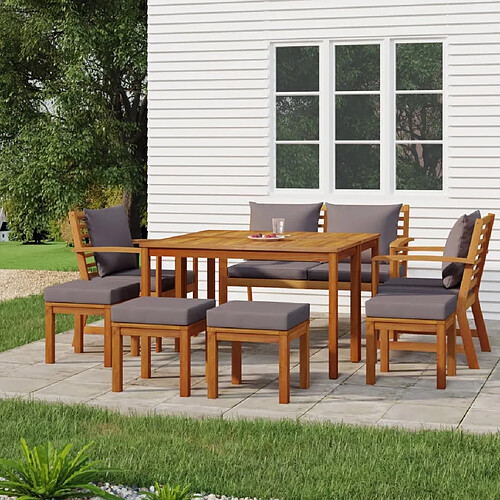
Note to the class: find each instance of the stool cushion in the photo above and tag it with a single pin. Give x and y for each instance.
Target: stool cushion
(168, 278)
(258, 315)
(97, 291)
(416, 305)
(271, 269)
(320, 272)
(162, 311)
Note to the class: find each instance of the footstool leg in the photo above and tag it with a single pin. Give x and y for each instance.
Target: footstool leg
(159, 344)
(284, 370)
(145, 356)
(134, 346)
(117, 366)
(50, 335)
(78, 335)
(212, 365)
(304, 359)
(236, 363)
(177, 345)
(185, 362)
(107, 337)
(371, 352)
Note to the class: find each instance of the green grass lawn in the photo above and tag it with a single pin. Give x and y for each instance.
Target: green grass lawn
(49, 256)
(286, 460)
(23, 320)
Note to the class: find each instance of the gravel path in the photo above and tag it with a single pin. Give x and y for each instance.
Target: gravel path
(18, 283)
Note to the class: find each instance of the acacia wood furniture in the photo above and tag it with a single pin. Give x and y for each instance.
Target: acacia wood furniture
(148, 317)
(366, 285)
(300, 246)
(87, 267)
(81, 298)
(267, 322)
(444, 328)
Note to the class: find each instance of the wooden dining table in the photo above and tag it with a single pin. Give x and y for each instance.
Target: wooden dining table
(297, 246)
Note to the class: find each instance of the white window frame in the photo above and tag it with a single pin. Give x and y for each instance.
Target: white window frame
(387, 122)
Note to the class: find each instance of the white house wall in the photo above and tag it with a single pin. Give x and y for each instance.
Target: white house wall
(210, 102)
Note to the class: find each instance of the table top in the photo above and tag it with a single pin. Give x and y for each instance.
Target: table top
(295, 242)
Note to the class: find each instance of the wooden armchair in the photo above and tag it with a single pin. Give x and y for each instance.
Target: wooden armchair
(415, 321)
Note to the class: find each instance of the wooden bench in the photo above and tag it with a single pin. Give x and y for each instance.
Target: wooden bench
(402, 240)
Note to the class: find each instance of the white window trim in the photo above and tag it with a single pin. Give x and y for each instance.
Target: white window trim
(387, 125)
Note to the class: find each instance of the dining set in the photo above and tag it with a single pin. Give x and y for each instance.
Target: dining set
(299, 246)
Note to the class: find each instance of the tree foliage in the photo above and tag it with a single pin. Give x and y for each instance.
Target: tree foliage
(73, 106)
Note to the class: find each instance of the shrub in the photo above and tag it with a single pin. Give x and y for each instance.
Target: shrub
(167, 492)
(45, 472)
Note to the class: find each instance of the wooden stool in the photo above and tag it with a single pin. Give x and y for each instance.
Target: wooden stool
(81, 298)
(268, 322)
(152, 317)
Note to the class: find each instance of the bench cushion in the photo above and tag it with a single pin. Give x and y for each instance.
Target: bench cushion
(416, 305)
(104, 291)
(258, 315)
(298, 217)
(381, 219)
(162, 311)
(457, 245)
(320, 272)
(271, 269)
(168, 278)
(109, 227)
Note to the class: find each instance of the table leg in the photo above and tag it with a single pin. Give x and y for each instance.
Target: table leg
(180, 277)
(211, 278)
(333, 331)
(222, 281)
(375, 271)
(356, 306)
(145, 273)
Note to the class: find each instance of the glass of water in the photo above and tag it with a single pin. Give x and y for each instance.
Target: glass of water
(278, 226)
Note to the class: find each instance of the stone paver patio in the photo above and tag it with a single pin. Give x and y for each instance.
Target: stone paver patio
(405, 397)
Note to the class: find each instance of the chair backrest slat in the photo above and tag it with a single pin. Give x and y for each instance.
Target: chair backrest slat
(478, 251)
(79, 231)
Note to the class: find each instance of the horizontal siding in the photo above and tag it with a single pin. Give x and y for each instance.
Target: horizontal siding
(209, 112)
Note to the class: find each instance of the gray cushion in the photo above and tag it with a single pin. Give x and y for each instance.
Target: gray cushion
(298, 217)
(417, 305)
(168, 278)
(410, 285)
(271, 269)
(162, 311)
(96, 291)
(258, 315)
(457, 245)
(320, 272)
(109, 227)
(381, 219)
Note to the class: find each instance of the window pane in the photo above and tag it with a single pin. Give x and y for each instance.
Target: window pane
(297, 118)
(357, 166)
(297, 69)
(419, 66)
(297, 166)
(357, 67)
(357, 117)
(419, 117)
(419, 166)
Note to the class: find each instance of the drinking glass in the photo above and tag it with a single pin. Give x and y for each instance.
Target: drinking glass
(278, 226)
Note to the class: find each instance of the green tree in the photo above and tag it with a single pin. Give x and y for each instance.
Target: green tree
(73, 107)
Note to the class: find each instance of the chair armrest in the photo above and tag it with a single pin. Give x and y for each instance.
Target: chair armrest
(420, 249)
(401, 243)
(428, 258)
(108, 250)
(139, 241)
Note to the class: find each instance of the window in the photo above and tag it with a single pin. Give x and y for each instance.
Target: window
(297, 117)
(357, 155)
